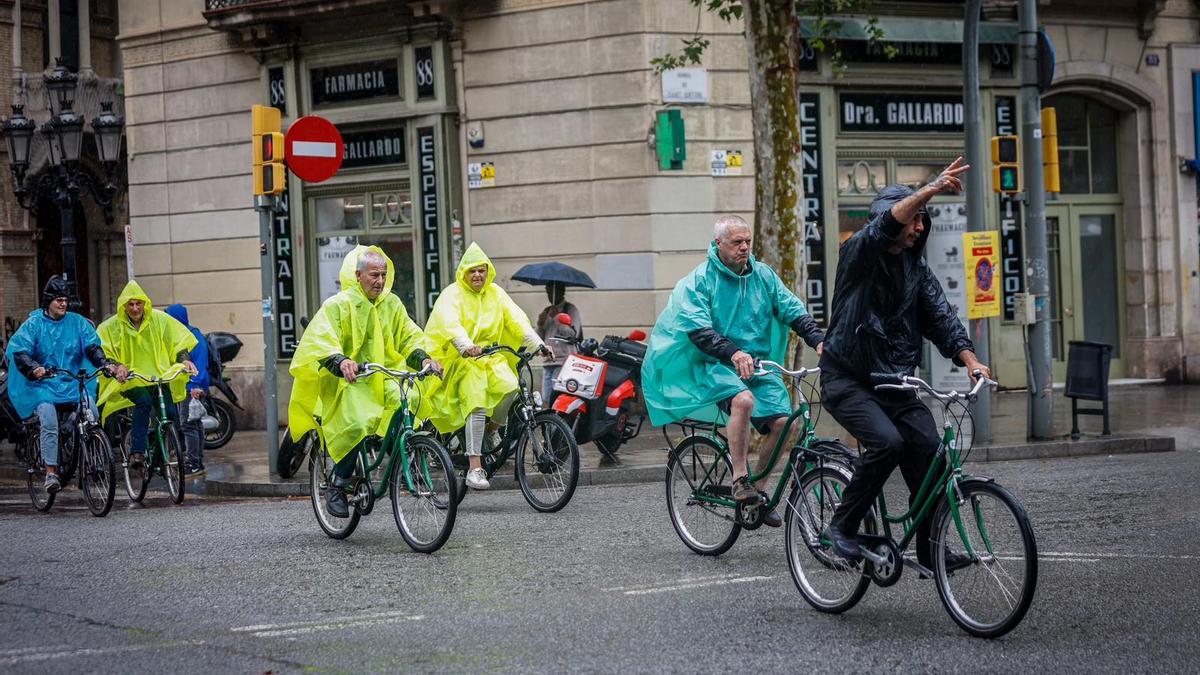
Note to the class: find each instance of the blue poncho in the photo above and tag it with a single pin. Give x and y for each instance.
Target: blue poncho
(52, 344)
(754, 310)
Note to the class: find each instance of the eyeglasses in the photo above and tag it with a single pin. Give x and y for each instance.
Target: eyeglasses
(63, 300)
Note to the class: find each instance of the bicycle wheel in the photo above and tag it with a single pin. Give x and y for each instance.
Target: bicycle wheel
(990, 596)
(35, 474)
(136, 480)
(223, 412)
(423, 488)
(98, 473)
(698, 466)
(174, 460)
(547, 463)
(827, 582)
(320, 472)
(292, 456)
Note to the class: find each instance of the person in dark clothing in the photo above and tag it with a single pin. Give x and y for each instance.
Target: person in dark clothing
(885, 300)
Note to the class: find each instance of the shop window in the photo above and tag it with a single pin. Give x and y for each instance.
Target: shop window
(861, 177)
(1087, 144)
(916, 175)
(851, 219)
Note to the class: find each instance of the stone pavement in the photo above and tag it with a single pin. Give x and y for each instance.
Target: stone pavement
(1145, 418)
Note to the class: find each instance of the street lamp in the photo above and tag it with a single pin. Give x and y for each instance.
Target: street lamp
(65, 178)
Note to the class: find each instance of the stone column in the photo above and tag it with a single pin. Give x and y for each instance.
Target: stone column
(85, 37)
(55, 29)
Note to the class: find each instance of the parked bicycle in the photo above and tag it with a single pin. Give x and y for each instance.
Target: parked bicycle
(165, 452)
(700, 473)
(972, 517)
(546, 454)
(83, 449)
(416, 469)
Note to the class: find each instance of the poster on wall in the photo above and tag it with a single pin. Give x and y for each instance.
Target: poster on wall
(945, 255)
(980, 269)
(331, 251)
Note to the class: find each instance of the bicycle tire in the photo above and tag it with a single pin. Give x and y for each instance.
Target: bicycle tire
(136, 480)
(320, 468)
(174, 461)
(827, 582)
(432, 473)
(226, 425)
(35, 475)
(994, 541)
(97, 473)
(690, 461)
(292, 456)
(556, 469)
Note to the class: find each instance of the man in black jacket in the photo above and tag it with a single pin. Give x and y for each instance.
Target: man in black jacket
(885, 300)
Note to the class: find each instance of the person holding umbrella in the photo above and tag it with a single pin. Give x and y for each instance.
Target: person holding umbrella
(561, 339)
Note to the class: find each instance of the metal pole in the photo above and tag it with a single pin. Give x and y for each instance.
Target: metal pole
(982, 408)
(266, 205)
(1037, 272)
(65, 201)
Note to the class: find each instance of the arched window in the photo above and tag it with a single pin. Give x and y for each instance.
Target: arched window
(1087, 144)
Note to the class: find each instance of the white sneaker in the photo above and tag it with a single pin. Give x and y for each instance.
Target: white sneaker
(477, 479)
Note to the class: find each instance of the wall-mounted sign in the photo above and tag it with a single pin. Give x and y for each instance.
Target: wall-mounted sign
(726, 162)
(481, 175)
(276, 89)
(430, 232)
(983, 282)
(348, 82)
(375, 147)
(685, 85)
(1012, 279)
(423, 75)
(900, 112)
(287, 327)
(816, 293)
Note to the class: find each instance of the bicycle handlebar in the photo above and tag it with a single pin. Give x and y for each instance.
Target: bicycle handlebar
(82, 375)
(520, 354)
(899, 382)
(155, 380)
(368, 369)
(761, 365)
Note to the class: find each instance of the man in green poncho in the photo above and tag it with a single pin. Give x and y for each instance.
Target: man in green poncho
(725, 314)
(364, 322)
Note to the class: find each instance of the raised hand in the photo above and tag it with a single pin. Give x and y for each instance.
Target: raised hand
(948, 181)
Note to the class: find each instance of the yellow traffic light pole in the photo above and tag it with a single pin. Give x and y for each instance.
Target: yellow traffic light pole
(270, 180)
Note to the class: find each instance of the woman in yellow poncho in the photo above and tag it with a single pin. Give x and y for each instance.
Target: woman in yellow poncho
(364, 322)
(151, 343)
(470, 314)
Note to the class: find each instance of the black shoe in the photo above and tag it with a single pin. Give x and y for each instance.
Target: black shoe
(772, 519)
(335, 502)
(844, 544)
(954, 561)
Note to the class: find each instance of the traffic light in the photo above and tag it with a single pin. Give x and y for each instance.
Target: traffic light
(270, 176)
(1050, 175)
(1006, 174)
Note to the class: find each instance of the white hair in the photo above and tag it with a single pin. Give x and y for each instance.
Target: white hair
(726, 223)
(368, 258)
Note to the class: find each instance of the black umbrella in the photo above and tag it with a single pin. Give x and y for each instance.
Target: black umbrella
(540, 274)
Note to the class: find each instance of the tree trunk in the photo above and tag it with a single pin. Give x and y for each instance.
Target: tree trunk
(773, 39)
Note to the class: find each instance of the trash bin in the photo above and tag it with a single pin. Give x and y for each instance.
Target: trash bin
(1088, 364)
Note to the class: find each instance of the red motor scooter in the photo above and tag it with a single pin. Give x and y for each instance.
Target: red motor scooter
(598, 388)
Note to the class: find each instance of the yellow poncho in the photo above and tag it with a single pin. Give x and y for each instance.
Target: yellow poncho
(484, 318)
(349, 324)
(150, 349)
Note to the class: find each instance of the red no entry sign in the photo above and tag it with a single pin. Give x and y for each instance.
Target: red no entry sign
(313, 148)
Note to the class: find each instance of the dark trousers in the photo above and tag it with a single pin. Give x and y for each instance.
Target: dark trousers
(894, 428)
(345, 468)
(145, 404)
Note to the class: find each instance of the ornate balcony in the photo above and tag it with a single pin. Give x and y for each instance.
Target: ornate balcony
(242, 14)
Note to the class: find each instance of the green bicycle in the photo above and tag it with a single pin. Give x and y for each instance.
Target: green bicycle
(165, 453)
(418, 473)
(700, 473)
(972, 517)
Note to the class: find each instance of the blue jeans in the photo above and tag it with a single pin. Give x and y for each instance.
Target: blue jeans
(48, 430)
(193, 435)
(145, 404)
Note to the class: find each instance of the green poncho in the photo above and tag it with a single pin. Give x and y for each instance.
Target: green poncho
(484, 318)
(150, 349)
(349, 324)
(753, 310)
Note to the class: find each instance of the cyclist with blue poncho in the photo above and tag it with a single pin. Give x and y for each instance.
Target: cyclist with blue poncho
(700, 364)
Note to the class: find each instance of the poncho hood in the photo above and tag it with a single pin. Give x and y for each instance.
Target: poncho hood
(178, 312)
(891, 195)
(474, 257)
(348, 276)
(133, 291)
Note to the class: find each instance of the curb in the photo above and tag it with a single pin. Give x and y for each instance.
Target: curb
(1116, 444)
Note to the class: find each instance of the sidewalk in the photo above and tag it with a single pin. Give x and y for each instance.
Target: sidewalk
(1145, 418)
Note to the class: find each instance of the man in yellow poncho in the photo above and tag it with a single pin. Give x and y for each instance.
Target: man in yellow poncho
(365, 322)
(470, 314)
(152, 344)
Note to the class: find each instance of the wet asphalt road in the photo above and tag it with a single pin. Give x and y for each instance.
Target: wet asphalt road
(603, 586)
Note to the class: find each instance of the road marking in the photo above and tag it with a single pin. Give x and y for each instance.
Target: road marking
(295, 628)
(83, 651)
(1131, 556)
(313, 149)
(695, 584)
(686, 580)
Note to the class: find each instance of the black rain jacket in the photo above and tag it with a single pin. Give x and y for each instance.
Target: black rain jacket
(883, 304)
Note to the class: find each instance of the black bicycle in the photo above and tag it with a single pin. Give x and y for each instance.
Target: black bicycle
(82, 449)
(547, 456)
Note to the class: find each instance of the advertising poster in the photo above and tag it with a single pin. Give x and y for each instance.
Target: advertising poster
(331, 251)
(983, 278)
(945, 254)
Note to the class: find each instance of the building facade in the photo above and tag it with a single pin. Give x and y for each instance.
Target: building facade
(530, 127)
